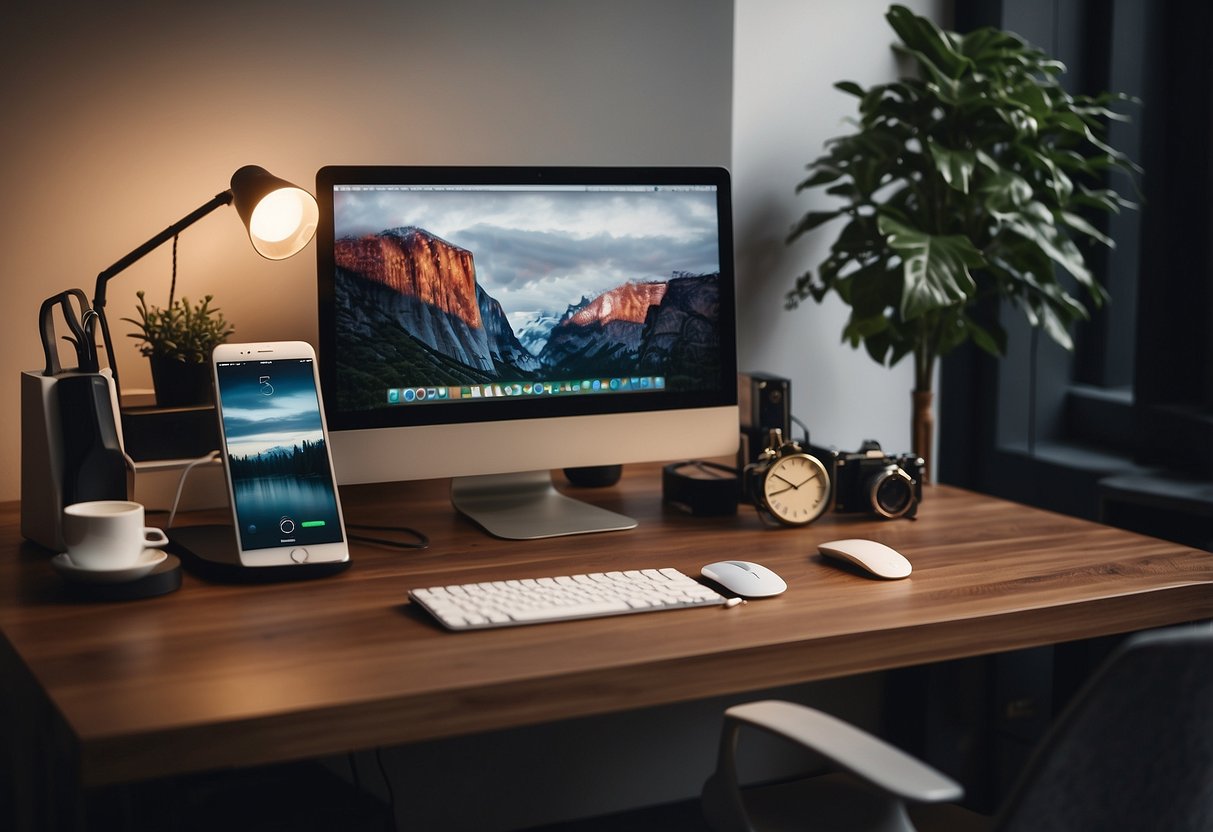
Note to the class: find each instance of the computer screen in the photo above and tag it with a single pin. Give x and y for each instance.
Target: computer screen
(480, 321)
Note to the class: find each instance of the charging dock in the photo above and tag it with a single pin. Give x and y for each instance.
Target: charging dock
(210, 552)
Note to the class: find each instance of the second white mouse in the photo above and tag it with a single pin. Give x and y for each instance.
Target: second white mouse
(750, 580)
(878, 559)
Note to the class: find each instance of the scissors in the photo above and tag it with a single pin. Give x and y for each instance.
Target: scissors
(81, 320)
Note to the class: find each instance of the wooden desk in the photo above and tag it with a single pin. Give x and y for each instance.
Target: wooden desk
(217, 675)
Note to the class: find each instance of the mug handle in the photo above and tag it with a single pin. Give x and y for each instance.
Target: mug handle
(154, 537)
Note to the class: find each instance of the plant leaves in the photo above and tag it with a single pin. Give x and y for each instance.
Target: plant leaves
(1035, 224)
(992, 340)
(935, 267)
(955, 166)
(1080, 224)
(183, 331)
(822, 174)
(888, 346)
(973, 178)
(810, 221)
(945, 87)
(928, 42)
(1004, 193)
(860, 329)
(1055, 327)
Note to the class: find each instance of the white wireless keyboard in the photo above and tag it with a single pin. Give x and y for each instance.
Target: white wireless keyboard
(533, 600)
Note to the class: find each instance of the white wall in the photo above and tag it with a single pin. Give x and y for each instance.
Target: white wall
(121, 118)
(787, 56)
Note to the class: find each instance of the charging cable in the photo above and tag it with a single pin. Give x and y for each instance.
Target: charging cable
(211, 457)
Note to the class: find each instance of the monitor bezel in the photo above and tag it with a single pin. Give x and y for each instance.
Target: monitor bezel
(330, 177)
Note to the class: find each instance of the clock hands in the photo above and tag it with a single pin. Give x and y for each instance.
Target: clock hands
(793, 486)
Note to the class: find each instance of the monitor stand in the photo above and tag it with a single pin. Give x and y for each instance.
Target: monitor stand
(527, 506)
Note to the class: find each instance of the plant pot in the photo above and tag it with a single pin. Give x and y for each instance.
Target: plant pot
(179, 383)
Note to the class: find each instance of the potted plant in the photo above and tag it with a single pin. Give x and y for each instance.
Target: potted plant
(178, 341)
(974, 180)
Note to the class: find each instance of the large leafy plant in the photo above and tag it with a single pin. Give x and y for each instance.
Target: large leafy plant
(974, 179)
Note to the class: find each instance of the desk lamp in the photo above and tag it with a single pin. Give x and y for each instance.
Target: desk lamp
(280, 217)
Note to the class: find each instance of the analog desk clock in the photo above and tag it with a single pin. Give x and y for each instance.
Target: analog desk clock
(787, 484)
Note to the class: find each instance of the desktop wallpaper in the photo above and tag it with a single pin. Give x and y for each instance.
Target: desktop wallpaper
(498, 291)
(282, 484)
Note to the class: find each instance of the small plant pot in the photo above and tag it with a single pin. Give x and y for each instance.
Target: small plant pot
(181, 384)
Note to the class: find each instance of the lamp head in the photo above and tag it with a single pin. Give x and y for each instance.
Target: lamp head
(281, 218)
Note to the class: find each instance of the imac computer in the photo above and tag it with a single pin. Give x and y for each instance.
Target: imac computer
(490, 324)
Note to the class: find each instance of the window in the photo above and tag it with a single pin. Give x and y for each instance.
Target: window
(1122, 429)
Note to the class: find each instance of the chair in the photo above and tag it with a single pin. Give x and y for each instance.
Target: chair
(1133, 751)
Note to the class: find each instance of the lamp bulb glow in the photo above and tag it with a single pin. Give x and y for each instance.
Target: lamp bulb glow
(279, 215)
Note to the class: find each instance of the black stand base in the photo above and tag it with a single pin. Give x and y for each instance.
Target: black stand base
(210, 552)
(163, 579)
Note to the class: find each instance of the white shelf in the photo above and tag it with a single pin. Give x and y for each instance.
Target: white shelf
(156, 482)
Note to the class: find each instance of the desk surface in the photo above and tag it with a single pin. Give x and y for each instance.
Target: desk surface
(216, 675)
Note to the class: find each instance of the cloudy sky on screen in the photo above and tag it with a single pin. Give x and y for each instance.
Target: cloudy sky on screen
(540, 251)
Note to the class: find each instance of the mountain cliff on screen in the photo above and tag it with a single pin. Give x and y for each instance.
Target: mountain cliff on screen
(415, 314)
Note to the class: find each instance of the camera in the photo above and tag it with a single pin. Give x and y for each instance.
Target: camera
(870, 480)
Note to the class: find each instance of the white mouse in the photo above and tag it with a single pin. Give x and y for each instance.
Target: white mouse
(749, 580)
(880, 560)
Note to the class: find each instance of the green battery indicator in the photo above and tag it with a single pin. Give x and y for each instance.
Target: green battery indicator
(312, 524)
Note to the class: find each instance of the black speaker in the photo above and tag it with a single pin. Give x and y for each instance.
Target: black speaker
(765, 402)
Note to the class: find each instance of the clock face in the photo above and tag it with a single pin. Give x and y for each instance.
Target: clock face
(795, 489)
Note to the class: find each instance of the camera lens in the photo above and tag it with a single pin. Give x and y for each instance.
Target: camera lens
(891, 492)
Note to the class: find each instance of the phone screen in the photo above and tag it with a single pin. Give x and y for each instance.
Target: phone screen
(282, 483)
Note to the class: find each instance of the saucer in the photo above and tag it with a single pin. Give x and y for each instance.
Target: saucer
(149, 559)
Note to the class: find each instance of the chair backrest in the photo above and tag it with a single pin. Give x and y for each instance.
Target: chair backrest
(1134, 751)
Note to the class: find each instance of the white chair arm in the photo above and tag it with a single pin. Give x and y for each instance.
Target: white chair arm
(872, 760)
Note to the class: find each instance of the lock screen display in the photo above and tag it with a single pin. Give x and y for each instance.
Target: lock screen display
(278, 462)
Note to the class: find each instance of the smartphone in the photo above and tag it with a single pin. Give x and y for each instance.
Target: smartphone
(276, 455)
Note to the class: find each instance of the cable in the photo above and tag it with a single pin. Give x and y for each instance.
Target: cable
(423, 541)
(708, 468)
(387, 781)
(211, 457)
(804, 429)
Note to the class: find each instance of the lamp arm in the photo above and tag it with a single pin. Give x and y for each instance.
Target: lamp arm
(218, 201)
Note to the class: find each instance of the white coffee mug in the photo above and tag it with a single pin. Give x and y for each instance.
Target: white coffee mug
(107, 534)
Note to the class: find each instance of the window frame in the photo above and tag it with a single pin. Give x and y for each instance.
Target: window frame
(1054, 429)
